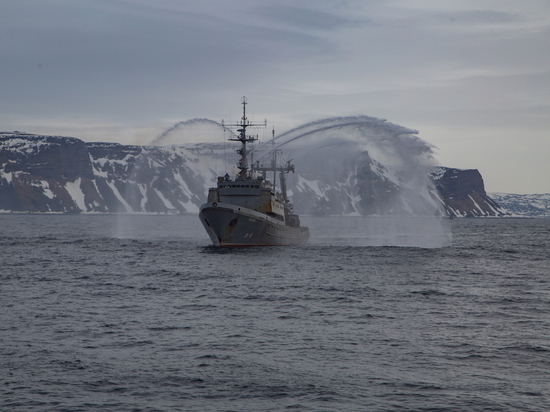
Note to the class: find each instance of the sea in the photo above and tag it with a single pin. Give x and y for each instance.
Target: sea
(141, 313)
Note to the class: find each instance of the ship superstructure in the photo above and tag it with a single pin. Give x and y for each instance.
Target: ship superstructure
(247, 210)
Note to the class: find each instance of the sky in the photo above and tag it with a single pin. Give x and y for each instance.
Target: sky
(472, 77)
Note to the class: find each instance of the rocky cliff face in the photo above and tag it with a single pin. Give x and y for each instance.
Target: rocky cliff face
(463, 193)
(63, 174)
(39, 172)
(150, 179)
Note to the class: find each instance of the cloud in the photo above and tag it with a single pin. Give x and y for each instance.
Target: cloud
(303, 19)
(93, 55)
(132, 63)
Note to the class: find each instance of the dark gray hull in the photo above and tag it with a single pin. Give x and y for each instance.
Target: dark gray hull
(230, 225)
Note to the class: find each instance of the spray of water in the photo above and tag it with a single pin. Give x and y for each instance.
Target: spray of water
(191, 131)
(361, 148)
(355, 166)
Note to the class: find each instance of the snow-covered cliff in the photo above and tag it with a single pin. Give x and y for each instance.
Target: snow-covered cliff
(66, 175)
(524, 205)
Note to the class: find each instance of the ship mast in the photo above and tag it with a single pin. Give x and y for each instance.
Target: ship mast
(244, 139)
(283, 170)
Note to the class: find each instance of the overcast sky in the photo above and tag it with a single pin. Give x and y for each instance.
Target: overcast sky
(473, 77)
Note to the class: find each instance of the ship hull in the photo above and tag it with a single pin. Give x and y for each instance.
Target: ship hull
(231, 225)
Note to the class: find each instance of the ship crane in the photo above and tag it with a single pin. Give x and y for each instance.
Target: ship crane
(283, 170)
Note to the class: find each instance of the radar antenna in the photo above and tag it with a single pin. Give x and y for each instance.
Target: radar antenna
(244, 139)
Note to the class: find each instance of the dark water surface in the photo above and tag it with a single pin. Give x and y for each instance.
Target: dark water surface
(137, 313)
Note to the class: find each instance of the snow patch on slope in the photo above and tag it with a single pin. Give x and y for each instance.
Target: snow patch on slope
(74, 190)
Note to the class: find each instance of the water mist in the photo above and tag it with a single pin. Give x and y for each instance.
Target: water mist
(374, 174)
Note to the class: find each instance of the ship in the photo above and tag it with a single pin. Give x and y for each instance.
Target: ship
(249, 210)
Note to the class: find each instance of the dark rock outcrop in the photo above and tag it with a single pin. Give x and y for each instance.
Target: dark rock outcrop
(46, 156)
(463, 193)
(36, 170)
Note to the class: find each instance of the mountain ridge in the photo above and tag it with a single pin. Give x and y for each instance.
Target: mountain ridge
(66, 175)
(524, 205)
